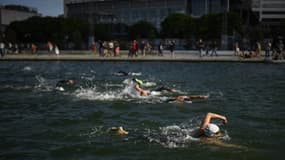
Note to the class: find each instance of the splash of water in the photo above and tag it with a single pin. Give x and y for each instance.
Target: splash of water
(27, 68)
(43, 84)
(13, 87)
(178, 136)
(149, 84)
(125, 92)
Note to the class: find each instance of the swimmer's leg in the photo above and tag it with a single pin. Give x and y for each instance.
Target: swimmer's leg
(123, 72)
(160, 89)
(199, 96)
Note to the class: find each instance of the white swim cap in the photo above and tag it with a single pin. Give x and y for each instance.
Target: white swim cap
(211, 129)
(60, 88)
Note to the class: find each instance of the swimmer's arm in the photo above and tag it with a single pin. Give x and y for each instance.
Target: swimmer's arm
(59, 83)
(137, 87)
(221, 143)
(141, 91)
(208, 118)
(198, 97)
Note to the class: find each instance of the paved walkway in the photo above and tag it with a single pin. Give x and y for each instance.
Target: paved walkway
(183, 56)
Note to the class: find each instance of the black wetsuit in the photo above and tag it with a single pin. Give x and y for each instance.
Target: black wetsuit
(161, 89)
(62, 83)
(175, 99)
(123, 73)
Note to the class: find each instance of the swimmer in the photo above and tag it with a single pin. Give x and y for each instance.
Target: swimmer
(210, 133)
(144, 92)
(138, 88)
(187, 98)
(208, 129)
(165, 89)
(63, 83)
(122, 73)
(120, 130)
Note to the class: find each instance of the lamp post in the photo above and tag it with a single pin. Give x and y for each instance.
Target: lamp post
(91, 24)
(225, 25)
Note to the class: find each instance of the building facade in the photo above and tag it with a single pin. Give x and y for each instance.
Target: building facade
(204, 7)
(269, 12)
(11, 13)
(132, 11)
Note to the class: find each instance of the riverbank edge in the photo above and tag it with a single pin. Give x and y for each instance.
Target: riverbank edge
(180, 56)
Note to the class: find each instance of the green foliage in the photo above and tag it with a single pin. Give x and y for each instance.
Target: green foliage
(281, 28)
(178, 25)
(43, 29)
(142, 29)
(234, 22)
(11, 36)
(103, 31)
(210, 26)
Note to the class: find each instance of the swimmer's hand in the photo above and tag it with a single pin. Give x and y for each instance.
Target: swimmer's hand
(120, 130)
(225, 121)
(144, 93)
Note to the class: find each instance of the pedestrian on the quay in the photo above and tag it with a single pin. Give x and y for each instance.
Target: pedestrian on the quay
(134, 48)
(50, 46)
(116, 48)
(142, 47)
(268, 46)
(172, 47)
(93, 48)
(34, 48)
(201, 46)
(2, 49)
(258, 49)
(160, 49)
(56, 49)
(236, 49)
(214, 48)
(100, 47)
(111, 48)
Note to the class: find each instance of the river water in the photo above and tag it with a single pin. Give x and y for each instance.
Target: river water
(38, 122)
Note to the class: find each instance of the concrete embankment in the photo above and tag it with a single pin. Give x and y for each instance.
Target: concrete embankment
(180, 56)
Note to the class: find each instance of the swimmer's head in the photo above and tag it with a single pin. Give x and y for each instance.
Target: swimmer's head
(211, 130)
(70, 81)
(140, 82)
(120, 130)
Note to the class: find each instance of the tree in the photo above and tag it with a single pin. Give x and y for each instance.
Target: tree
(178, 25)
(43, 29)
(103, 31)
(142, 29)
(210, 26)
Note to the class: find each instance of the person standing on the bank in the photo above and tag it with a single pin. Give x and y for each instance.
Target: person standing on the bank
(93, 47)
(34, 48)
(214, 48)
(160, 49)
(267, 49)
(142, 48)
(50, 46)
(172, 47)
(100, 47)
(134, 48)
(237, 49)
(2, 49)
(201, 47)
(116, 48)
(56, 50)
(111, 48)
(258, 49)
